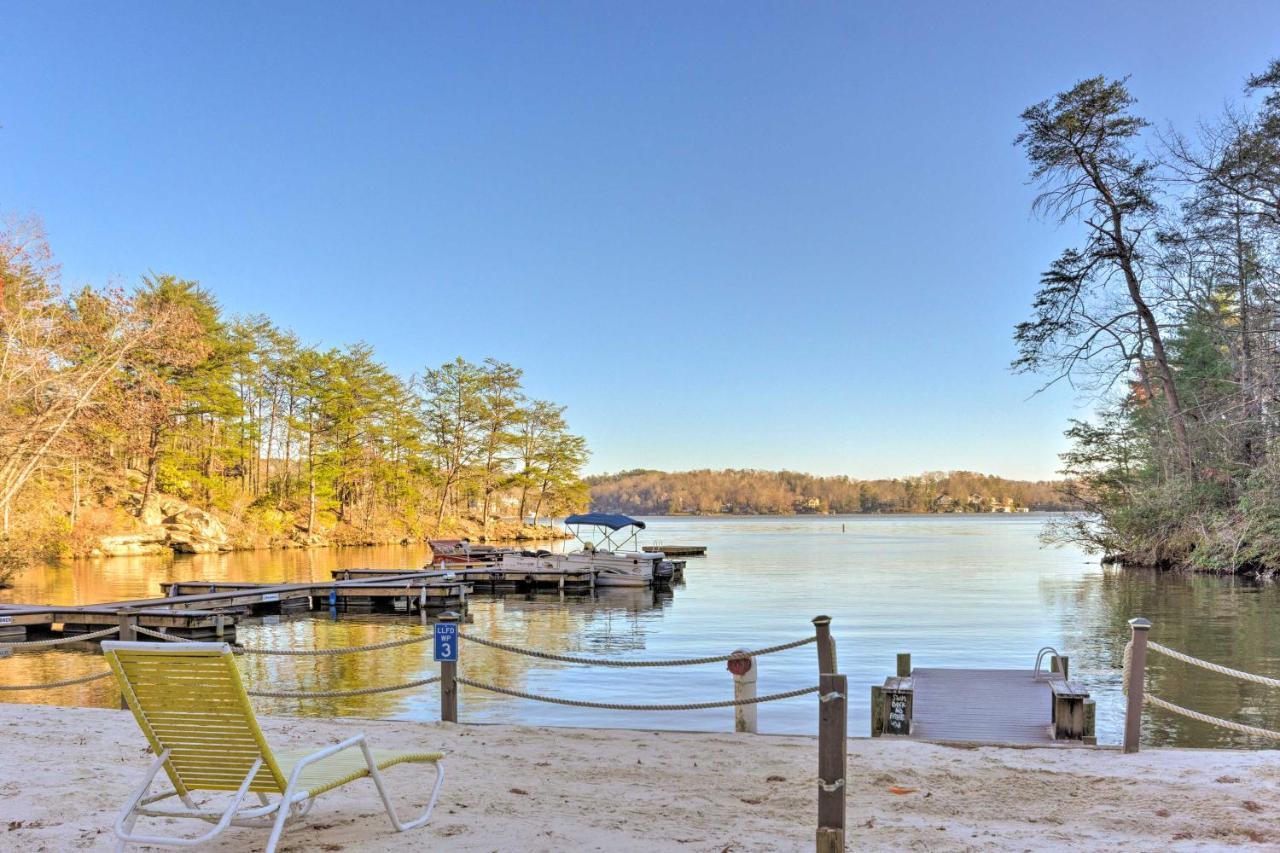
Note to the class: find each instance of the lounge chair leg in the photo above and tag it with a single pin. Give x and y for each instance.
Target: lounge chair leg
(129, 816)
(283, 814)
(386, 797)
(124, 824)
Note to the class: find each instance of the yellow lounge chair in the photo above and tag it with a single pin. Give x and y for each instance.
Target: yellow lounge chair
(192, 706)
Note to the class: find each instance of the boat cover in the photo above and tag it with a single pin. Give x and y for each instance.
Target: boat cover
(604, 519)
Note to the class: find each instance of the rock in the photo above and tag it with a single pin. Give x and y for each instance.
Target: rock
(133, 545)
(193, 531)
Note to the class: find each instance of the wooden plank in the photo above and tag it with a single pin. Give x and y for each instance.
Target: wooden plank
(981, 705)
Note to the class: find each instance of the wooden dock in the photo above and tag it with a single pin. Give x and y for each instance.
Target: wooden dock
(491, 577)
(995, 706)
(204, 609)
(678, 550)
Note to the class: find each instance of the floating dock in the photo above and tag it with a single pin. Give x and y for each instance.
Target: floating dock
(990, 706)
(677, 550)
(204, 609)
(491, 577)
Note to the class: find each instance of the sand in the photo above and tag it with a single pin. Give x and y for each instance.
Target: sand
(65, 771)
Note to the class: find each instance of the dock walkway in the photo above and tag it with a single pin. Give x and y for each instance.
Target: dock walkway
(997, 706)
(1004, 705)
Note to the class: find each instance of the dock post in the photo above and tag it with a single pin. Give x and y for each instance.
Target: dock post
(833, 721)
(904, 664)
(744, 673)
(1133, 697)
(128, 621)
(449, 679)
(826, 645)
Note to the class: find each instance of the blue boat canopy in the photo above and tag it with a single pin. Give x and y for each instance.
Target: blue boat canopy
(604, 519)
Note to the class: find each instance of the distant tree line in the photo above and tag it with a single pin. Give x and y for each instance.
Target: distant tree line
(1167, 308)
(643, 492)
(107, 393)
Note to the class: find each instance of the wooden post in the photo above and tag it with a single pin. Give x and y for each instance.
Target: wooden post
(833, 721)
(128, 620)
(744, 687)
(826, 645)
(904, 664)
(449, 679)
(877, 710)
(1137, 678)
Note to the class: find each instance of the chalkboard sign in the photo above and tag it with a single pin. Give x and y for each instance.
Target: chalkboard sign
(898, 721)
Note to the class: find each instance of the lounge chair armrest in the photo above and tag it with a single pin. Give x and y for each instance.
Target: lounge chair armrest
(320, 755)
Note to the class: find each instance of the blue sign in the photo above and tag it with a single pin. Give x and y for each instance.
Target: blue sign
(446, 641)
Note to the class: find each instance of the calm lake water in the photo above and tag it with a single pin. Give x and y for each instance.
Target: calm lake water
(977, 591)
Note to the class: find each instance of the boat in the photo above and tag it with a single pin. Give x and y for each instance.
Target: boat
(445, 551)
(613, 564)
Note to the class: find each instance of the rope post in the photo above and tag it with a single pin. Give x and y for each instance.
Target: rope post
(128, 621)
(826, 645)
(833, 723)
(744, 673)
(449, 679)
(1134, 688)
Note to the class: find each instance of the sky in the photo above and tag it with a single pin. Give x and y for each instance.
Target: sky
(723, 234)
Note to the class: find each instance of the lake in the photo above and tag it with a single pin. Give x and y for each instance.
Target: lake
(954, 590)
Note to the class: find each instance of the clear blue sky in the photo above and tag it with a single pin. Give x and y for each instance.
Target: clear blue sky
(725, 234)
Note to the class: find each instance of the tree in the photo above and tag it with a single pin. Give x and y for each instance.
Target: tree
(453, 413)
(1079, 144)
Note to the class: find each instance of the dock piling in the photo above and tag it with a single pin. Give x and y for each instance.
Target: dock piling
(833, 745)
(128, 621)
(1133, 697)
(449, 679)
(826, 645)
(904, 664)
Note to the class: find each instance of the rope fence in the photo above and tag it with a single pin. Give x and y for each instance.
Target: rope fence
(18, 645)
(614, 706)
(343, 650)
(553, 656)
(331, 694)
(1136, 696)
(84, 679)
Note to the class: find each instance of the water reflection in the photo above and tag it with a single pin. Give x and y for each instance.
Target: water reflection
(953, 590)
(1231, 621)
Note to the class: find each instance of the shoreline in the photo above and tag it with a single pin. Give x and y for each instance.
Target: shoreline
(518, 788)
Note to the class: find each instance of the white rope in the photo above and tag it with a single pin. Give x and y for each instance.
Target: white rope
(1214, 667)
(611, 706)
(57, 641)
(52, 684)
(1213, 721)
(242, 650)
(535, 653)
(328, 694)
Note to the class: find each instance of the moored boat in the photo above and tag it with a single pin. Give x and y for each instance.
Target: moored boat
(613, 563)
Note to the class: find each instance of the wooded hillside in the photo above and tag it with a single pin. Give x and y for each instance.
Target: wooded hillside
(783, 492)
(121, 410)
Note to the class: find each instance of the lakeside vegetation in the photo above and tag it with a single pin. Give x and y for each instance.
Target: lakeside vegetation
(150, 420)
(1168, 309)
(751, 492)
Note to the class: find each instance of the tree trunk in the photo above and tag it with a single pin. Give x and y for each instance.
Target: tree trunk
(153, 458)
(311, 483)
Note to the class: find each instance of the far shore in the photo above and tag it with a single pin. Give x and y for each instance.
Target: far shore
(512, 788)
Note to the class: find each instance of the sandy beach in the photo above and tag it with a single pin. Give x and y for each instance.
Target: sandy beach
(510, 788)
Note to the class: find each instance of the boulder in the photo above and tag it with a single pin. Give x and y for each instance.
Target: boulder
(193, 531)
(132, 545)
